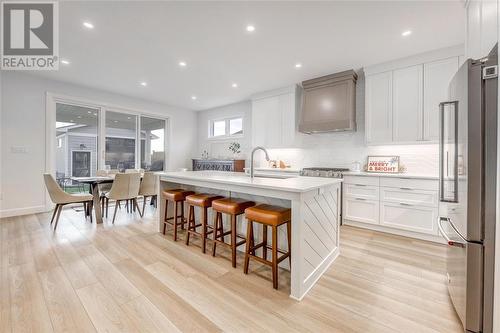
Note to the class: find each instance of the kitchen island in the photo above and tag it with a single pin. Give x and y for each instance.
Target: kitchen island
(315, 204)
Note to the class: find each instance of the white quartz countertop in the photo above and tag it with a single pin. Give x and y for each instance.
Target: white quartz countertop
(397, 175)
(292, 184)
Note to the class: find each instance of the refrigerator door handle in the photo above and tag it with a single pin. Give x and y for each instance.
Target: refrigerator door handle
(443, 233)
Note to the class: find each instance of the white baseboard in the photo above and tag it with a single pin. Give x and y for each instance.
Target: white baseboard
(22, 211)
(405, 233)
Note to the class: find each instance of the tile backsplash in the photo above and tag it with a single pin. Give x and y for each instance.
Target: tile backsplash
(420, 159)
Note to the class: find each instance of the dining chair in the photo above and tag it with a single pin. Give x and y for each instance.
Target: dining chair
(125, 187)
(148, 188)
(61, 198)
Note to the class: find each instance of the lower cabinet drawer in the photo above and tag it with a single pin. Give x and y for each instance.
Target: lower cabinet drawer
(361, 210)
(413, 218)
(361, 191)
(409, 196)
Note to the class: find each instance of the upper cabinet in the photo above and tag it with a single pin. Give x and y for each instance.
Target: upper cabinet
(273, 118)
(482, 27)
(407, 104)
(402, 97)
(437, 77)
(379, 108)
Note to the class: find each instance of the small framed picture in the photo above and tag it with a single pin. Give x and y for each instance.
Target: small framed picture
(383, 164)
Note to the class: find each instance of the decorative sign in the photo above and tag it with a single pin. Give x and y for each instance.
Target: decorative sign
(384, 164)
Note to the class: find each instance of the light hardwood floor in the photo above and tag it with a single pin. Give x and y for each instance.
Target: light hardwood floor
(129, 278)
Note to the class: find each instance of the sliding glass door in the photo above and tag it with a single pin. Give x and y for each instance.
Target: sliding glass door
(121, 133)
(90, 137)
(76, 150)
(152, 135)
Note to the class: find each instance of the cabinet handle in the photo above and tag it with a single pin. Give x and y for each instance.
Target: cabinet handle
(405, 204)
(406, 188)
(360, 185)
(360, 199)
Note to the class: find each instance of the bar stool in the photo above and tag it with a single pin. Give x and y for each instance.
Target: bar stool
(176, 196)
(233, 207)
(204, 201)
(268, 216)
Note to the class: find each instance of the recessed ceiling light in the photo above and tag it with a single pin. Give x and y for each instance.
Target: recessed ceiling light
(234, 85)
(65, 62)
(115, 121)
(88, 25)
(95, 114)
(71, 121)
(144, 84)
(79, 117)
(194, 98)
(182, 63)
(250, 28)
(89, 112)
(129, 118)
(406, 33)
(298, 65)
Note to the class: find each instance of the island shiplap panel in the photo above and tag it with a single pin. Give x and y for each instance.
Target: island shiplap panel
(320, 214)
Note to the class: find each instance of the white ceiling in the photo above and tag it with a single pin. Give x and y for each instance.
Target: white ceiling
(144, 41)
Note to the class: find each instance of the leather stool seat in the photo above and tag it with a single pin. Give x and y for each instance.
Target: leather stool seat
(233, 206)
(269, 214)
(176, 194)
(202, 199)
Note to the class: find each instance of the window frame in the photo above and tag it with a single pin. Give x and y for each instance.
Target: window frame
(227, 121)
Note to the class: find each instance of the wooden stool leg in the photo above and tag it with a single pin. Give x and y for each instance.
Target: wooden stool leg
(175, 221)
(252, 239)
(264, 241)
(191, 223)
(289, 238)
(204, 229)
(275, 257)
(165, 218)
(182, 215)
(216, 227)
(248, 246)
(233, 240)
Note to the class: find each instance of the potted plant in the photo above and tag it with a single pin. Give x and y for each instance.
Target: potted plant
(234, 147)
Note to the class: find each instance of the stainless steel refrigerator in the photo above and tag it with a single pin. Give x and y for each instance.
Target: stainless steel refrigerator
(467, 190)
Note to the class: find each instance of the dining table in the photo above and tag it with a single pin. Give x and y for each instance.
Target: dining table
(93, 183)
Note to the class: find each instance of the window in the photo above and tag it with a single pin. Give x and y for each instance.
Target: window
(152, 144)
(76, 142)
(120, 140)
(226, 128)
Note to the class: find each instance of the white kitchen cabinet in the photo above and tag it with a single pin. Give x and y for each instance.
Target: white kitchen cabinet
(379, 108)
(406, 206)
(407, 104)
(404, 216)
(402, 97)
(437, 77)
(361, 210)
(482, 27)
(273, 119)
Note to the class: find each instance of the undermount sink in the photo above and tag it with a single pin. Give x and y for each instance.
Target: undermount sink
(273, 176)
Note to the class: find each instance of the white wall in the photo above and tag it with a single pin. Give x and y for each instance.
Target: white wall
(216, 147)
(23, 125)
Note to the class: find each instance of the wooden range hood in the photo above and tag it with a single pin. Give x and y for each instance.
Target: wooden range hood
(329, 103)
